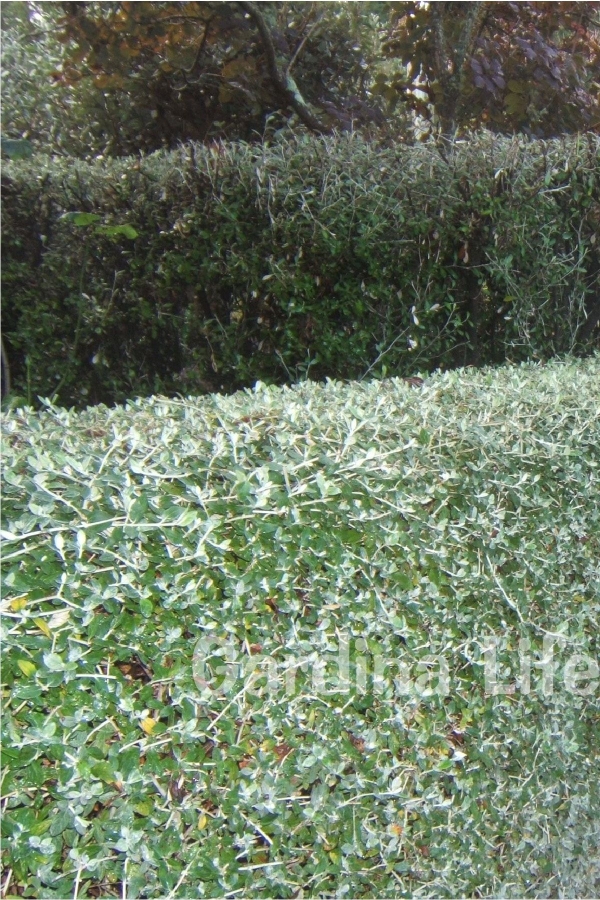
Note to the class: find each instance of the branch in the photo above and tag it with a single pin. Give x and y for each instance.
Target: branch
(471, 31)
(439, 41)
(284, 84)
(5, 371)
(302, 43)
(190, 69)
(474, 25)
(266, 38)
(451, 63)
(589, 324)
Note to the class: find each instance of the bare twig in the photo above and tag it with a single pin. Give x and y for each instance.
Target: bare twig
(302, 43)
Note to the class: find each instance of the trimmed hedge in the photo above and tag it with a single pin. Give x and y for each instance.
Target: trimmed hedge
(212, 267)
(180, 577)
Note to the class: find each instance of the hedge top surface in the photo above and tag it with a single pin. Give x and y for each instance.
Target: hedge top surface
(250, 640)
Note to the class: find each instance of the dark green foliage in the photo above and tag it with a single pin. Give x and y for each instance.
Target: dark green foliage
(16, 149)
(208, 268)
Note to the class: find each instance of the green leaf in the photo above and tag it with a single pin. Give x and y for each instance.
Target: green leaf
(146, 607)
(54, 662)
(16, 148)
(41, 826)
(115, 231)
(516, 104)
(139, 508)
(104, 771)
(81, 219)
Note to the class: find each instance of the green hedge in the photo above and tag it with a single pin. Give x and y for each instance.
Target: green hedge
(153, 550)
(211, 267)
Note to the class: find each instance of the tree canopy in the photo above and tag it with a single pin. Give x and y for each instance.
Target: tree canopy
(509, 66)
(118, 77)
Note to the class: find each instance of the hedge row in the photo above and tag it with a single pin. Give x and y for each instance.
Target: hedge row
(328, 641)
(209, 268)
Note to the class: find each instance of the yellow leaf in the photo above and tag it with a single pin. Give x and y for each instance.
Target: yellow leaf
(143, 809)
(26, 667)
(202, 822)
(465, 720)
(19, 603)
(42, 625)
(148, 725)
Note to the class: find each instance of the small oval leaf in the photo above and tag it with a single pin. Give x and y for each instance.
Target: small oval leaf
(26, 667)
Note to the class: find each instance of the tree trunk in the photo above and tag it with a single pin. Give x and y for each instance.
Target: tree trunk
(451, 64)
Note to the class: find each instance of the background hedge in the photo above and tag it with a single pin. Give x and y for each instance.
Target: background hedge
(209, 268)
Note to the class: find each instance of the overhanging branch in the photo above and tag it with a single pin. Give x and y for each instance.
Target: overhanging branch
(283, 83)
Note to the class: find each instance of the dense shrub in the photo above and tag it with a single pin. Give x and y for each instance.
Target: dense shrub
(211, 267)
(324, 550)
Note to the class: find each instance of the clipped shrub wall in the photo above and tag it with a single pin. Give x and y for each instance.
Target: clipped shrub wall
(209, 268)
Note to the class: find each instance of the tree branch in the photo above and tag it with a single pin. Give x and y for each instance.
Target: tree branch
(476, 18)
(5, 371)
(471, 31)
(451, 64)
(284, 83)
(439, 41)
(302, 43)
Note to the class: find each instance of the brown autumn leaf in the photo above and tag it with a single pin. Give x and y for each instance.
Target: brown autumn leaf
(357, 742)
(135, 670)
(272, 605)
(282, 751)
